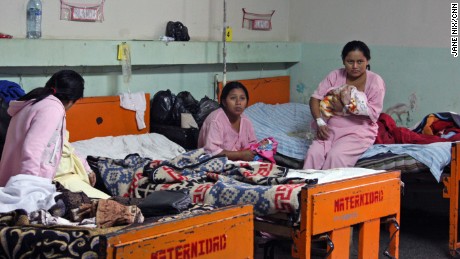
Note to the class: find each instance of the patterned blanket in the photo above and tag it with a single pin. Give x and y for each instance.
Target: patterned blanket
(210, 180)
(21, 240)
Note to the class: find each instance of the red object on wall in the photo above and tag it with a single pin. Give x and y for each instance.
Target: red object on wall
(5, 36)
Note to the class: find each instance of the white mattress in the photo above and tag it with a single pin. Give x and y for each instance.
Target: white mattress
(324, 176)
(151, 145)
(331, 175)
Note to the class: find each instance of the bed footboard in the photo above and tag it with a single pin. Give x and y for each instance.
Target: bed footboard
(330, 210)
(222, 233)
(451, 192)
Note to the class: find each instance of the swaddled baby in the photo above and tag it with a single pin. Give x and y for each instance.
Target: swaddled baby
(353, 101)
(266, 149)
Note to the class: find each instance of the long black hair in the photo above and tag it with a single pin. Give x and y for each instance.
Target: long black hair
(357, 45)
(228, 88)
(66, 85)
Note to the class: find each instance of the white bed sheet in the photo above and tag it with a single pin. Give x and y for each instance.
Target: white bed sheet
(324, 176)
(150, 145)
(331, 175)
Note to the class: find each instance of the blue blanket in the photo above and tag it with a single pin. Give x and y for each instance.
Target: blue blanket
(288, 123)
(435, 156)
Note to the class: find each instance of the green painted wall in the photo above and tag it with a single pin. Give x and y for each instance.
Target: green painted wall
(431, 73)
(101, 81)
(178, 66)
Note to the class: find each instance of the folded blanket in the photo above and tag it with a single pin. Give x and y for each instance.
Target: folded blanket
(288, 123)
(435, 156)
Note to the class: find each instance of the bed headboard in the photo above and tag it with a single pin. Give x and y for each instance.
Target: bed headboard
(103, 116)
(270, 90)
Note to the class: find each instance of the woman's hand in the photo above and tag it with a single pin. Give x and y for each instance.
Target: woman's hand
(92, 178)
(323, 132)
(337, 104)
(243, 155)
(248, 155)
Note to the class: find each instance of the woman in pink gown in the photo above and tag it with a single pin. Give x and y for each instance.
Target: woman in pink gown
(227, 131)
(344, 137)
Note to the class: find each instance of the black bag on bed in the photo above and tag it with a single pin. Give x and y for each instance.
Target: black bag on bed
(184, 103)
(165, 202)
(206, 106)
(161, 107)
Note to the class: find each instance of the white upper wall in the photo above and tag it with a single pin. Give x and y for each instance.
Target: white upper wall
(415, 23)
(147, 19)
(418, 23)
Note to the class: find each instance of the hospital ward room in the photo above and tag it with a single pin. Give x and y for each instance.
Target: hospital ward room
(229, 129)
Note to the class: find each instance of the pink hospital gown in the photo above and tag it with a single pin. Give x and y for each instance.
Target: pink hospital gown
(217, 134)
(349, 136)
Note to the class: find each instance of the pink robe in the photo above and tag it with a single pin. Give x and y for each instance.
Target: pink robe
(349, 136)
(34, 140)
(217, 134)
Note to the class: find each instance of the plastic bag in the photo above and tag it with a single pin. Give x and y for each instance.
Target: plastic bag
(206, 106)
(177, 30)
(185, 103)
(189, 102)
(161, 107)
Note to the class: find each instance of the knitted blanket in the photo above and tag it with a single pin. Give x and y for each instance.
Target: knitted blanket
(209, 180)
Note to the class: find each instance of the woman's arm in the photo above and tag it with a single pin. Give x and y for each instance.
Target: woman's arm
(323, 131)
(375, 97)
(244, 155)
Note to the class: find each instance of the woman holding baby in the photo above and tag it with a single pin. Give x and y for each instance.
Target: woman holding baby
(346, 106)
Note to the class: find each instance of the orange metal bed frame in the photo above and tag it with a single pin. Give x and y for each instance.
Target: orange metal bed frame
(222, 233)
(103, 116)
(335, 207)
(270, 90)
(330, 210)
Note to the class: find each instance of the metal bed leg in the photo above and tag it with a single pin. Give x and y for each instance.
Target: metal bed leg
(369, 235)
(341, 240)
(452, 186)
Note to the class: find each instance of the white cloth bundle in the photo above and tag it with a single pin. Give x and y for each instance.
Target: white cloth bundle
(135, 102)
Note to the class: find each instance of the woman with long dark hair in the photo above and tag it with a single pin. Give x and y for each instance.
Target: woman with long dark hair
(36, 133)
(227, 131)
